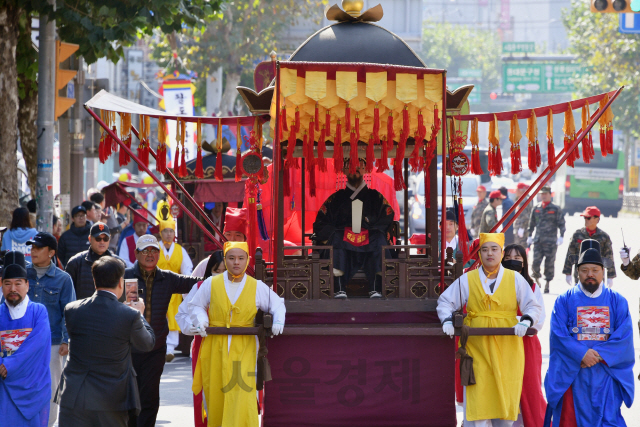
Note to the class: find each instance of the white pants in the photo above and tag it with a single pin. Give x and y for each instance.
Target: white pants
(496, 422)
(173, 339)
(55, 366)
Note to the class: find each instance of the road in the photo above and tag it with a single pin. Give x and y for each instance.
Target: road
(176, 404)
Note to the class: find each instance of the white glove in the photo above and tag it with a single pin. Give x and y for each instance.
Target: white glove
(624, 254)
(569, 280)
(447, 328)
(521, 328)
(193, 330)
(201, 330)
(529, 240)
(610, 283)
(520, 232)
(559, 241)
(276, 329)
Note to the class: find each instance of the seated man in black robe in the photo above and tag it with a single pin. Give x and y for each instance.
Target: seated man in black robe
(354, 221)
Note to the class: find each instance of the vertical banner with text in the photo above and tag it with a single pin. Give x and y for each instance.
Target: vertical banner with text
(178, 100)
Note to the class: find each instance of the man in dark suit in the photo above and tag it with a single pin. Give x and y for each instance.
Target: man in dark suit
(98, 385)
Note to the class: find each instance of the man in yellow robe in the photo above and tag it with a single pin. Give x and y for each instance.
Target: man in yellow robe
(173, 257)
(493, 295)
(226, 367)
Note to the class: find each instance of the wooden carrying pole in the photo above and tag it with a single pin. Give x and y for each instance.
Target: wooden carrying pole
(366, 330)
(563, 157)
(141, 165)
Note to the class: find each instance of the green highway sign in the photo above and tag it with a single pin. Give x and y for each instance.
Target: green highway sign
(470, 72)
(518, 47)
(540, 78)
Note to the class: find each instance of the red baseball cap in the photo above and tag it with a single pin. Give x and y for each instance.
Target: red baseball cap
(496, 194)
(591, 211)
(522, 186)
(481, 188)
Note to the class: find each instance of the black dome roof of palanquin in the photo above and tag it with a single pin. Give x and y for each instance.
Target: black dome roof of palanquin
(357, 42)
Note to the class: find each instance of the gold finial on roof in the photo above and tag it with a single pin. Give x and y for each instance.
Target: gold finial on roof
(353, 7)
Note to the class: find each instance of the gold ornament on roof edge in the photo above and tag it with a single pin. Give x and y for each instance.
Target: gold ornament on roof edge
(353, 7)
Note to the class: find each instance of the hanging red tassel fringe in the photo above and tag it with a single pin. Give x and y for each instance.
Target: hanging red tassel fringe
(603, 142)
(347, 119)
(124, 157)
(219, 166)
(322, 147)
(338, 156)
(382, 164)
(516, 161)
(610, 139)
(238, 165)
(176, 161)
(297, 123)
(161, 159)
(353, 152)
(183, 165)
(476, 168)
(199, 173)
(538, 156)
(551, 154)
(291, 144)
(143, 154)
(286, 185)
(462, 231)
(531, 156)
(570, 157)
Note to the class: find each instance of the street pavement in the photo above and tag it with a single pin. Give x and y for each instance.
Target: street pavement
(175, 387)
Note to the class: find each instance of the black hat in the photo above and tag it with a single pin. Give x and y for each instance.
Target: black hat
(451, 216)
(99, 228)
(14, 266)
(590, 253)
(77, 210)
(43, 239)
(546, 189)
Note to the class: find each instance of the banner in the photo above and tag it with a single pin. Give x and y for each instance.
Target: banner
(178, 99)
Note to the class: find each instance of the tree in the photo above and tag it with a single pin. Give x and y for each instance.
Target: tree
(245, 33)
(452, 47)
(101, 27)
(612, 58)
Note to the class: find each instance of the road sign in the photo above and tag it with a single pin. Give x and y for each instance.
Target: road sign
(629, 23)
(518, 47)
(470, 72)
(537, 78)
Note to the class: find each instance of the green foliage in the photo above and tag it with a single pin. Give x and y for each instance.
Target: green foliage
(103, 27)
(451, 47)
(247, 31)
(26, 58)
(612, 58)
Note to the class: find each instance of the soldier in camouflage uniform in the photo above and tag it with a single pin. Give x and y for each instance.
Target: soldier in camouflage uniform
(631, 268)
(589, 231)
(478, 209)
(521, 225)
(490, 215)
(546, 219)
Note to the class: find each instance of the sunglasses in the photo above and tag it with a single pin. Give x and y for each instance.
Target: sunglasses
(102, 238)
(148, 251)
(589, 217)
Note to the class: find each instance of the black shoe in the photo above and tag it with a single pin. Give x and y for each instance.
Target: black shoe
(338, 288)
(340, 295)
(546, 287)
(375, 294)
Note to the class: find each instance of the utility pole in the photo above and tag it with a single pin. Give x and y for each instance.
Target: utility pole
(76, 135)
(46, 119)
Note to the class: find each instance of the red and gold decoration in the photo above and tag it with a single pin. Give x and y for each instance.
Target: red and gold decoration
(533, 151)
(199, 172)
(125, 136)
(569, 130)
(476, 168)
(514, 137)
(495, 155)
(606, 128)
(143, 146)
(107, 145)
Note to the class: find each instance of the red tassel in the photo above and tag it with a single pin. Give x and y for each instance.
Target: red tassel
(312, 181)
(219, 166)
(284, 119)
(327, 123)
(286, 185)
(338, 156)
(199, 169)
(291, 144)
(586, 152)
(570, 157)
(322, 162)
(610, 139)
(531, 157)
(476, 167)
(462, 231)
(603, 142)
(551, 154)
(347, 119)
(538, 156)
(516, 161)
(353, 152)
(238, 165)
(317, 117)
(376, 125)
(114, 144)
(176, 161)
(382, 164)
(370, 157)
(297, 123)
(183, 166)
(124, 156)
(143, 154)
(161, 160)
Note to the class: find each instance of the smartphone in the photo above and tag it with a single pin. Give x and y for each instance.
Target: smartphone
(131, 289)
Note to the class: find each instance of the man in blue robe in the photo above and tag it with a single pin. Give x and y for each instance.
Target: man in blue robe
(592, 355)
(25, 382)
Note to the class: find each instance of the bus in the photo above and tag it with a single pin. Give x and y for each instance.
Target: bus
(599, 183)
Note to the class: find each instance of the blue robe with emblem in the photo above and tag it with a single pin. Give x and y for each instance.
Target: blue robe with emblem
(26, 392)
(599, 391)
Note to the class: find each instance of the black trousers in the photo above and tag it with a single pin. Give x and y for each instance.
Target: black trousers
(350, 262)
(72, 417)
(149, 367)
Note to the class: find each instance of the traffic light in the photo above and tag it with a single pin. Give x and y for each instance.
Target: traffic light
(63, 52)
(615, 6)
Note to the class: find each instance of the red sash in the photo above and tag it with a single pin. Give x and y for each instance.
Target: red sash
(356, 239)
